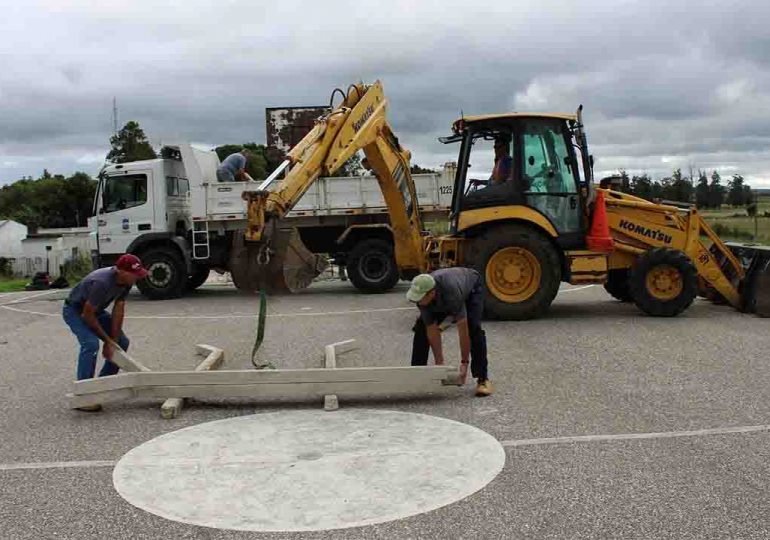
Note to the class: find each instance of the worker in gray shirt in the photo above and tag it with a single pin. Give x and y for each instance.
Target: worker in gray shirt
(234, 168)
(85, 313)
(457, 294)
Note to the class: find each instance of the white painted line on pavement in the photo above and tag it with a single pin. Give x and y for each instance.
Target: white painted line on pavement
(19, 300)
(238, 316)
(273, 315)
(575, 289)
(55, 465)
(233, 316)
(27, 311)
(633, 436)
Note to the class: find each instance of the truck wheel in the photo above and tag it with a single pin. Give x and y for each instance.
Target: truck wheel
(371, 266)
(521, 272)
(166, 275)
(617, 285)
(197, 278)
(663, 282)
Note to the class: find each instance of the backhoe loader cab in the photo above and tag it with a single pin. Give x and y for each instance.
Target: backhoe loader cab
(520, 160)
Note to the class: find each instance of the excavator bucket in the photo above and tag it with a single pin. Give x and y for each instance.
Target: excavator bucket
(289, 267)
(755, 287)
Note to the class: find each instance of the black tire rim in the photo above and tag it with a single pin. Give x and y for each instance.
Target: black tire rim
(373, 267)
(159, 274)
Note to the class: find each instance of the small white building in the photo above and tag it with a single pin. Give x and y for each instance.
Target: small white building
(11, 236)
(48, 249)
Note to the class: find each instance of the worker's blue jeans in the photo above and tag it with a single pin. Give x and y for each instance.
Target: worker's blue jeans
(474, 309)
(89, 342)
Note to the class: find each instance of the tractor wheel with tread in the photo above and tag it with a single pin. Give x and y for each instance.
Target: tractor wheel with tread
(617, 285)
(371, 266)
(663, 282)
(521, 271)
(198, 277)
(166, 274)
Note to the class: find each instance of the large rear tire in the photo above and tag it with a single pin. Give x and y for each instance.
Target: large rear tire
(166, 275)
(520, 269)
(663, 282)
(371, 266)
(617, 285)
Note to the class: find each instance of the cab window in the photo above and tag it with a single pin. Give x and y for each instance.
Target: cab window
(547, 163)
(121, 192)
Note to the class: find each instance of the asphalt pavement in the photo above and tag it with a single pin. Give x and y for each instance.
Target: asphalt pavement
(593, 367)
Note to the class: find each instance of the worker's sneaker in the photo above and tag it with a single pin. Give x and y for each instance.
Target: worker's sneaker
(89, 408)
(484, 388)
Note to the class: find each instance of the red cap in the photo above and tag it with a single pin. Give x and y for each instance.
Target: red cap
(131, 264)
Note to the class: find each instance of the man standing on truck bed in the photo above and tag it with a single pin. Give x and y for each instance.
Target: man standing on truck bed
(234, 168)
(456, 293)
(84, 312)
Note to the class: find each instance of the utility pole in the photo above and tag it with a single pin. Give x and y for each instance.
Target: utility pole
(114, 116)
(756, 215)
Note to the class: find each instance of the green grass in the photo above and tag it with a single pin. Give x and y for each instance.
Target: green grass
(734, 224)
(12, 285)
(437, 228)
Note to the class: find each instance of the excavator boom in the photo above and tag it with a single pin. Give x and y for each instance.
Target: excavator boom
(275, 259)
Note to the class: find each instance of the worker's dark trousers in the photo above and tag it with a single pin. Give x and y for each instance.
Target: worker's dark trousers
(474, 307)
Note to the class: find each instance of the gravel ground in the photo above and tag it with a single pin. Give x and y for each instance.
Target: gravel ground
(593, 367)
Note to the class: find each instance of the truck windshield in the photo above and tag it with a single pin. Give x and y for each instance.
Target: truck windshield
(121, 192)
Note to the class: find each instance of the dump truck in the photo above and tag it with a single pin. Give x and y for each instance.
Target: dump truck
(541, 223)
(174, 214)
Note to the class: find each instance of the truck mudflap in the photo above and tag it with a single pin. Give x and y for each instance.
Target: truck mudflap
(755, 287)
(285, 265)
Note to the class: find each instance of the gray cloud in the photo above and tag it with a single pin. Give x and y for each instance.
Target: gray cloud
(665, 84)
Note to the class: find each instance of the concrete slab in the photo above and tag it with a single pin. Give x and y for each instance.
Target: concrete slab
(352, 468)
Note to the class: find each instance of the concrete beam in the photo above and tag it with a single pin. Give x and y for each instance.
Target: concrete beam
(273, 384)
(125, 362)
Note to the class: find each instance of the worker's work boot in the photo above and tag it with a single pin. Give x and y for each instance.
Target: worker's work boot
(89, 408)
(484, 388)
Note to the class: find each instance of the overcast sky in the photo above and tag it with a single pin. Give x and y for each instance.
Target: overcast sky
(664, 84)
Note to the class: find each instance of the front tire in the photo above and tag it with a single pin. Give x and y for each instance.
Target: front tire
(663, 282)
(521, 271)
(371, 266)
(166, 275)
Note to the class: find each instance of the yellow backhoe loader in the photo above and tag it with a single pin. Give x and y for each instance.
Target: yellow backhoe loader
(525, 233)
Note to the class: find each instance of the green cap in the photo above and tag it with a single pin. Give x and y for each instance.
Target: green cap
(421, 285)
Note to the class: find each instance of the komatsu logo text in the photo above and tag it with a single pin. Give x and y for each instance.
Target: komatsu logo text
(364, 117)
(652, 234)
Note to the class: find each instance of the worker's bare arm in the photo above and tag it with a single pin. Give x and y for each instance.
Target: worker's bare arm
(465, 347)
(118, 313)
(434, 338)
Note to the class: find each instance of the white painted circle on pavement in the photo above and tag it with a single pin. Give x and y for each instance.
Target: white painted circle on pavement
(308, 470)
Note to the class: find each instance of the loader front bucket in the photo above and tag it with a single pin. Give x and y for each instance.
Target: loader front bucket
(755, 288)
(290, 266)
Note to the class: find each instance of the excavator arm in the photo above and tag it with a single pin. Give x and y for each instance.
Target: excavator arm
(274, 259)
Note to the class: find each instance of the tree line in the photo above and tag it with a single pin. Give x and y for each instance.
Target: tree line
(705, 191)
